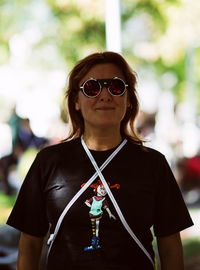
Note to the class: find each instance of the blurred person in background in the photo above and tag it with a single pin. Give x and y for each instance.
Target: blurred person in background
(14, 123)
(23, 138)
(103, 150)
(7, 164)
(190, 173)
(189, 178)
(22, 132)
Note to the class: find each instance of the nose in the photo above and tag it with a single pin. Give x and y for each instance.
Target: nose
(105, 95)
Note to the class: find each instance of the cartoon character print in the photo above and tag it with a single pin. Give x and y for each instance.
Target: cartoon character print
(97, 205)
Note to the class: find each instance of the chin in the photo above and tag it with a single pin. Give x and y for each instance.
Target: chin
(107, 125)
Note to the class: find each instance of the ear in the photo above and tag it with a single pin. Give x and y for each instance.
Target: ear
(128, 104)
(77, 105)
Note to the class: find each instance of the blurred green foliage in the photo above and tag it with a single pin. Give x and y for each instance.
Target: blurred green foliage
(6, 204)
(77, 28)
(80, 28)
(191, 247)
(7, 201)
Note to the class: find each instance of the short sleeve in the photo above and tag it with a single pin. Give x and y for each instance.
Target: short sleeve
(171, 213)
(29, 213)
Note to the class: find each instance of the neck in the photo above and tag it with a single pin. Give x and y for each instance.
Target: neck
(102, 141)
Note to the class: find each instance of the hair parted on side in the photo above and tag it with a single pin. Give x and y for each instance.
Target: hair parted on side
(79, 71)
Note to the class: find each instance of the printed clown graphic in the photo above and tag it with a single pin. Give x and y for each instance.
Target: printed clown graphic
(97, 205)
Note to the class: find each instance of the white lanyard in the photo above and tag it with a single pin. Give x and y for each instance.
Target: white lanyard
(78, 194)
(124, 222)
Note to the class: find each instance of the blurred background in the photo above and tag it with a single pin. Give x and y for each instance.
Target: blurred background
(41, 40)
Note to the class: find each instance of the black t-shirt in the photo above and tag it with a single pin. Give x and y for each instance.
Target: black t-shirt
(142, 184)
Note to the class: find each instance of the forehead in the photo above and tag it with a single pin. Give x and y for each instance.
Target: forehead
(104, 71)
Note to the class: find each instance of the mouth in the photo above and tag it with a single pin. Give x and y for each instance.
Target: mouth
(105, 109)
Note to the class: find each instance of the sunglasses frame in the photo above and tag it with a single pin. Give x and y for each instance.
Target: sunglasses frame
(103, 83)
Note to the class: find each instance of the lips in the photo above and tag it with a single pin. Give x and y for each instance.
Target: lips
(105, 109)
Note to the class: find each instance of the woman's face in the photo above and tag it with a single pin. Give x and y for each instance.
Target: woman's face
(104, 110)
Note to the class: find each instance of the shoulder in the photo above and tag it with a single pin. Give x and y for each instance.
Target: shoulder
(144, 152)
(54, 154)
(59, 149)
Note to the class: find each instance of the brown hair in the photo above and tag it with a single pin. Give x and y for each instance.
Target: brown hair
(79, 71)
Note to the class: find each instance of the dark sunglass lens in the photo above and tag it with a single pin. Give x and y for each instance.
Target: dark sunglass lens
(116, 87)
(91, 88)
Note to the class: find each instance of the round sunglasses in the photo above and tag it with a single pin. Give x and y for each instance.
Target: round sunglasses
(93, 87)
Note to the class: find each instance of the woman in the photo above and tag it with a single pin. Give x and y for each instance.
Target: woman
(102, 146)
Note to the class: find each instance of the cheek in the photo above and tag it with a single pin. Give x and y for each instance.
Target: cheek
(124, 103)
(83, 104)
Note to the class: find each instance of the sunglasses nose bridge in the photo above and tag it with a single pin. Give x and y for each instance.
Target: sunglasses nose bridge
(103, 84)
(105, 93)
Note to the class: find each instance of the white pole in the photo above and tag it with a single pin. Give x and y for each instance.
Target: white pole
(113, 25)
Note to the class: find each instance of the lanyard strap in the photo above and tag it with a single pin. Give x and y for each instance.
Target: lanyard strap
(118, 210)
(78, 194)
